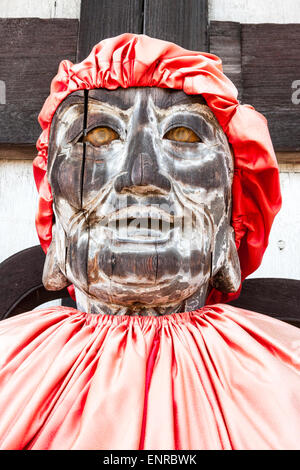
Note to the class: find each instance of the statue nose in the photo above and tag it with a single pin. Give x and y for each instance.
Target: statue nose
(143, 177)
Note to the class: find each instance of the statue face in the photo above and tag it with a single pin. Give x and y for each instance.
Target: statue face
(141, 180)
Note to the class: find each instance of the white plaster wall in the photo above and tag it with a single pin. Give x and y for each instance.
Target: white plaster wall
(244, 11)
(40, 8)
(18, 199)
(255, 11)
(282, 257)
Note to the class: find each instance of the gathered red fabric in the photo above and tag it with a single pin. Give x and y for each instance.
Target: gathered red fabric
(131, 60)
(216, 378)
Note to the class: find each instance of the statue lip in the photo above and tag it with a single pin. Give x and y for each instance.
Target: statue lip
(139, 213)
(141, 224)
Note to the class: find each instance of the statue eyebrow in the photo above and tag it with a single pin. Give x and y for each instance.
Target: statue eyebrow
(180, 99)
(184, 109)
(108, 105)
(124, 99)
(120, 100)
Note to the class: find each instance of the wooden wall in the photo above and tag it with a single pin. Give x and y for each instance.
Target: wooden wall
(263, 61)
(27, 71)
(234, 32)
(254, 56)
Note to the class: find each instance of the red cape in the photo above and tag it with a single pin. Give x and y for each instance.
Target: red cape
(216, 378)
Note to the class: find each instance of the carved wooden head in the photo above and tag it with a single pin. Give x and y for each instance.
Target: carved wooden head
(141, 181)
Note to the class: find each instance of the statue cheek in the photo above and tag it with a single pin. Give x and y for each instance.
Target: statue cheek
(77, 252)
(65, 177)
(94, 179)
(76, 180)
(206, 175)
(101, 166)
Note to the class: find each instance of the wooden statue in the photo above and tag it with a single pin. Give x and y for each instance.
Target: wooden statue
(150, 216)
(141, 180)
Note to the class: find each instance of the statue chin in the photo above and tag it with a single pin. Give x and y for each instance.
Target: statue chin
(168, 292)
(148, 278)
(171, 297)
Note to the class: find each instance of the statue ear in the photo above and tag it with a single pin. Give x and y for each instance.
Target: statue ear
(228, 278)
(53, 277)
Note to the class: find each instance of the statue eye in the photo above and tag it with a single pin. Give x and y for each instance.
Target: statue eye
(100, 136)
(182, 134)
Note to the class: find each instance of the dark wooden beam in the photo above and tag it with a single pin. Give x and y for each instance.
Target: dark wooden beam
(263, 61)
(288, 158)
(105, 19)
(270, 65)
(225, 42)
(182, 22)
(17, 152)
(278, 298)
(30, 52)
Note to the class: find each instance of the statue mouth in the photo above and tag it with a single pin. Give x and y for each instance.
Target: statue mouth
(141, 224)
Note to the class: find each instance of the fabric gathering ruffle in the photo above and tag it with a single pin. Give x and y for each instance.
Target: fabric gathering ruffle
(216, 378)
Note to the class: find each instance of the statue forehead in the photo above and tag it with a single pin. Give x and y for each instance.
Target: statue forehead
(126, 98)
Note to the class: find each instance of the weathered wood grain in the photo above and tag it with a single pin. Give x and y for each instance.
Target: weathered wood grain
(225, 42)
(291, 158)
(278, 298)
(270, 64)
(17, 152)
(263, 61)
(30, 52)
(29, 152)
(184, 23)
(289, 162)
(124, 210)
(105, 19)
